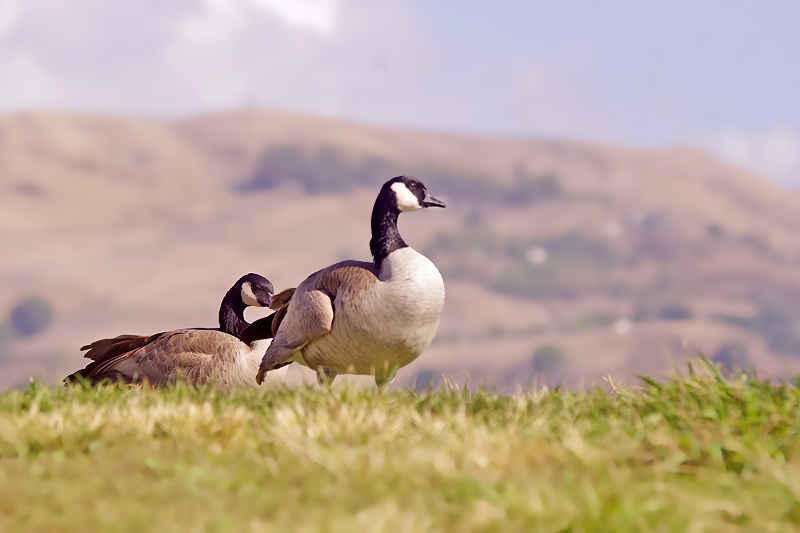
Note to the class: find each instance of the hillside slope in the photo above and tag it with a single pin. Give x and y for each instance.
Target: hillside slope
(611, 256)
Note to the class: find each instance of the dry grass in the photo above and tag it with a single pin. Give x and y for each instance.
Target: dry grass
(695, 453)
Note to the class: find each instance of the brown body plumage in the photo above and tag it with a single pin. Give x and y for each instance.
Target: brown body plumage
(193, 355)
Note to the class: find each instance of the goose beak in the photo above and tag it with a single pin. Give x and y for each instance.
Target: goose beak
(265, 302)
(430, 201)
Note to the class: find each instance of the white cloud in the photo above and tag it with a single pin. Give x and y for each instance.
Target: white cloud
(773, 152)
(24, 84)
(317, 15)
(367, 60)
(201, 55)
(159, 58)
(9, 12)
(321, 57)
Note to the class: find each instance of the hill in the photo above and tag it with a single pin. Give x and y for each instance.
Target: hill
(690, 454)
(606, 257)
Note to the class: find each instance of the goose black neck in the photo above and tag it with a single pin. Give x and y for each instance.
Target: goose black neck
(385, 235)
(231, 313)
(258, 330)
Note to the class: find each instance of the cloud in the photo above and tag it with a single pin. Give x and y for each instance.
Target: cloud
(380, 62)
(24, 84)
(151, 57)
(311, 56)
(9, 11)
(773, 152)
(316, 15)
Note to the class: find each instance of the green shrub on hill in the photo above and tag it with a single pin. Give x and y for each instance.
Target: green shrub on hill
(323, 170)
(425, 379)
(733, 356)
(777, 324)
(328, 169)
(548, 358)
(675, 311)
(6, 336)
(529, 189)
(30, 316)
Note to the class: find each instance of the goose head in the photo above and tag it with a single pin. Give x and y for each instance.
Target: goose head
(410, 194)
(255, 290)
(400, 194)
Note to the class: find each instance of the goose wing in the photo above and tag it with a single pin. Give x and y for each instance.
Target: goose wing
(309, 312)
(282, 299)
(107, 352)
(105, 349)
(281, 303)
(194, 355)
(299, 328)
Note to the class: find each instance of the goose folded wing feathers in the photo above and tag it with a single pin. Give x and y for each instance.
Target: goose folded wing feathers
(315, 321)
(311, 307)
(107, 353)
(105, 349)
(191, 354)
(281, 299)
(309, 314)
(281, 303)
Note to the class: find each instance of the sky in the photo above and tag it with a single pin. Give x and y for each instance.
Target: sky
(722, 75)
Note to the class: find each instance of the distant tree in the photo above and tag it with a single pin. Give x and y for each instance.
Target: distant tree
(30, 316)
(675, 311)
(642, 312)
(715, 231)
(6, 336)
(778, 325)
(529, 189)
(549, 357)
(732, 355)
(325, 169)
(424, 379)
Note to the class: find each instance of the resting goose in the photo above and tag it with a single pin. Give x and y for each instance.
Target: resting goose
(364, 318)
(193, 355)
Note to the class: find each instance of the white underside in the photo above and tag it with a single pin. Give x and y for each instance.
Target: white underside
(252, 358)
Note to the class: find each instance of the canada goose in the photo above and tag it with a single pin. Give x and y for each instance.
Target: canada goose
(365, 318)
(195, 355)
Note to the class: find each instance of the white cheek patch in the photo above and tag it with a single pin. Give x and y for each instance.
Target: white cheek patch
(248, 296)
(406, 200)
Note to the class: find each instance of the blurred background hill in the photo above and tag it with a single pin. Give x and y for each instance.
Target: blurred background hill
(620, 177)
(562, 259)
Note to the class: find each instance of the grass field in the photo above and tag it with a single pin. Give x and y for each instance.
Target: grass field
(692, 453)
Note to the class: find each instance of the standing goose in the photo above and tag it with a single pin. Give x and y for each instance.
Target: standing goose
(364, 318)
(193, 355)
